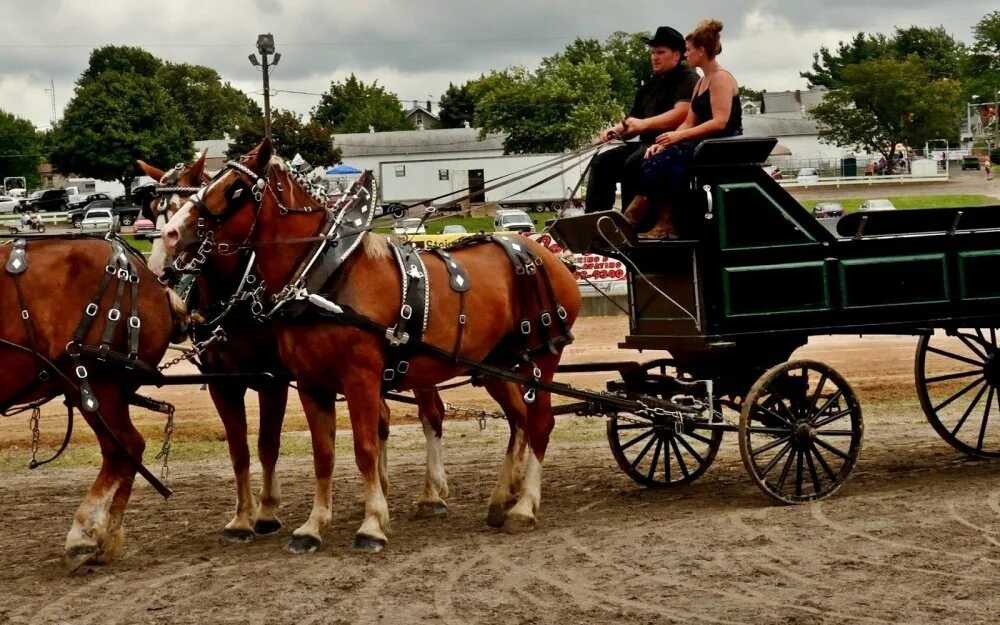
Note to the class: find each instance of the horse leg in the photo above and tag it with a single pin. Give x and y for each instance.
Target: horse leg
(273, 400)
(364, 404)
(383, 450)
(521, 518)
(508, 486)
(431, 410)
(97, 534)
(230, 403)
(320, 413)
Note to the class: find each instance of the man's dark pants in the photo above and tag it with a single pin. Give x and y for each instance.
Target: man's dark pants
(622, 164)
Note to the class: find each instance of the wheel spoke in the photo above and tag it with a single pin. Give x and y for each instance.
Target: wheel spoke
(780, 400)
(953, 376)
(830, 400)
(645, 450)
(680, 459)
(687, 446)
(638, 438)
(771, 445)
(769, 431)
(816, 394)
(832, 418)
(784, 469)
(698, 437)
(634, 426)
(986, 419)
(822, 462)
(831, 449)
(965, 390)
(774, 461)
(656, 458)
(798, 475)
(972, 346)
(968, 411)
(837, 433)
(946, 354)
(812, 470)
(666, 460)
(771, 413)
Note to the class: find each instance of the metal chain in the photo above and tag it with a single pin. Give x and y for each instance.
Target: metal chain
(168, 434)
(479, 415)
(36, 433)
(218, 335)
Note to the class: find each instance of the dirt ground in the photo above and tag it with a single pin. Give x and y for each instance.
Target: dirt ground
(914, 536)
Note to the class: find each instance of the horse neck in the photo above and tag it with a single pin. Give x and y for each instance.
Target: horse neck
(278, 261)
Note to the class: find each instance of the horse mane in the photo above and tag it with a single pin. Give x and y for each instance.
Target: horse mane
(376, 246)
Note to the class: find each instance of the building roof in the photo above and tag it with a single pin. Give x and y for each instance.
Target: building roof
(779, 125)
(417, 142)
(216, 147)
(413, 111)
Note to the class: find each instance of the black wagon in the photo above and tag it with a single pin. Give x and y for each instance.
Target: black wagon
(753, 277)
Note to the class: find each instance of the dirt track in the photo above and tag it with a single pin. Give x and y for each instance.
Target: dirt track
(913, 537)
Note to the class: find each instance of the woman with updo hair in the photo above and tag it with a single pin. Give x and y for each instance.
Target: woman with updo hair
(715, 112)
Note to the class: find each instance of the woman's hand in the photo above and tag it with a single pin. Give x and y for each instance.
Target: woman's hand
(667, 139)
(653, 150)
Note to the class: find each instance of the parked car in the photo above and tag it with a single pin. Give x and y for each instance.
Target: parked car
(807, 175)
(79, 201)
(54, 200)
(828, 210)
(100, 220)
(970, 162)
(406, 227)
(876, 205)
(8, 204)
(454, 229)
(510, 220)
(143, 225)
(126, 214)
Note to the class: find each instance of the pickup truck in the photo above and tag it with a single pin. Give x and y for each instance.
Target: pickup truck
(100, 220)
(127, 215)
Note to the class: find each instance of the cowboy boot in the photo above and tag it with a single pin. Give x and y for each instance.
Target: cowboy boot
(664, 227)
(637, 210)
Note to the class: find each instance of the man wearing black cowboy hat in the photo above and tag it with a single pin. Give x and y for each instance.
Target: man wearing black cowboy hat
(661, 104)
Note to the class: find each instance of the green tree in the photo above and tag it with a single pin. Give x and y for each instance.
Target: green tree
(983, 67)
(457, 106)
(353, 106)
(313, 141)
(121, 59)
(883, 103)
(557, 108)
(209, 106)
(112, 120)
(828, 66)
(19, 149)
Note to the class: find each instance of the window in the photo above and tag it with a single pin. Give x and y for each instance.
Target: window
(400, 171)
(442, 174)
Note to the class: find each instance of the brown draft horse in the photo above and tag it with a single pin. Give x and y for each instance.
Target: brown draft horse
(251, 347)
(62, 277)
(327, 356)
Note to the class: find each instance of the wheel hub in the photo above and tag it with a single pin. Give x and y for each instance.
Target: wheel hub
(804, 432)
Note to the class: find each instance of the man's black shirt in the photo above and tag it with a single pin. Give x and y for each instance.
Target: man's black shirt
(660, 93)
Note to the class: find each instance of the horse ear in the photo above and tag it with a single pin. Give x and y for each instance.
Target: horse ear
(149, 170)
(264, 152)
(198, 168)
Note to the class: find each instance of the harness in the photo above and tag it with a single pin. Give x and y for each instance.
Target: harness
(121, 269)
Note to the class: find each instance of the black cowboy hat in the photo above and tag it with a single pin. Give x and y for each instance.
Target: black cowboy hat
(666, 36)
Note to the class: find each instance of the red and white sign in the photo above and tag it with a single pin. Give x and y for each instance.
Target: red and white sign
(594, 272)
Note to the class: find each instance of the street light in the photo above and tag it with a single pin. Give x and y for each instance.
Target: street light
(265, 46)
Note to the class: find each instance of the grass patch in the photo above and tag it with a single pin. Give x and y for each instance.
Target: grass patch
(142, 244)
(913, 201)
(436, 223)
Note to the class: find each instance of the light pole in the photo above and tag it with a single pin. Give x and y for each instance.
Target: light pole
(265, 46)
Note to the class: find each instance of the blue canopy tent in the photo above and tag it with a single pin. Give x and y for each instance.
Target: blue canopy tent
(341, 170)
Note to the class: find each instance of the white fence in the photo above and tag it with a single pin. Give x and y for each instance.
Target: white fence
(46, 218)
(864, 181)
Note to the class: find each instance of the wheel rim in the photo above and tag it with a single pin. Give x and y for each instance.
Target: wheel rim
(957, 383)
(800, 431)
(651, 452)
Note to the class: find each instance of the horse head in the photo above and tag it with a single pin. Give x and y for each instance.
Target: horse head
(173, 188)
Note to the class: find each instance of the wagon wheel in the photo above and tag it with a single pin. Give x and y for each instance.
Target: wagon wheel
(958, 381)
(800, 431)
(651, 452)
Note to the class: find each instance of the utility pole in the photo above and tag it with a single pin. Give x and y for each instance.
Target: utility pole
(52, 102)
(265, 46)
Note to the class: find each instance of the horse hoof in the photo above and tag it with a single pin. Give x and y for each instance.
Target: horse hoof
(430, 509)
(81, 555)
(266, 528)
(303, 544)
(236, 536)
(368, 544)
(518, 524)
(496, 515)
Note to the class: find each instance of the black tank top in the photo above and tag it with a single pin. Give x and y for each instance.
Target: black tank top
(701, 104)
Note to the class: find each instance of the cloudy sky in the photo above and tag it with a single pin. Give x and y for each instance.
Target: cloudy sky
(416, 48)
